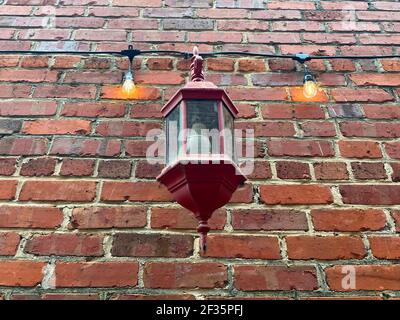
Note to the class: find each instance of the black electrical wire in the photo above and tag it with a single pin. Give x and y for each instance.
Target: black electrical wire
(131, 53)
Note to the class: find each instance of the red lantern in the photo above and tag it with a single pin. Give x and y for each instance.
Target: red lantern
(201, 172)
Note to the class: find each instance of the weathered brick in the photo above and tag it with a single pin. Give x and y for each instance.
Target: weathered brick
(63, 244)
(96, 274)
(385, 247)
(348, 219)
(292, 170)
(259, 219)
(30, 217)
(370, 194)
(359, 149)
(331, 171)
(108, 217)
(20, 273)
(180, 218)
(58, 191)
(8, 189)
(184, 275)
(77, 167)
(325, 248)
(368, 170)
(7, 166)
(259, 277)
(152, 245)
(248, 247)
(368, 277)
(295, 194)
(114, 169)
(38, 167)
(9, 242)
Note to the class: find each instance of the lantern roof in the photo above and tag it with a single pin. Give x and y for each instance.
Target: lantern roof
(199, 89)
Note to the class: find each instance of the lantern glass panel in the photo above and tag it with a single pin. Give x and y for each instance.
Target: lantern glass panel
(173, 129)
(228, 133)
(203, 135)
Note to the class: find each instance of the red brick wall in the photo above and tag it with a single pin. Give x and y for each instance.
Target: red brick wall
(81, 214)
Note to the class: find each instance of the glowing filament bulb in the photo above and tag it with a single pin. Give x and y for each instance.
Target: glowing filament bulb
(310, 87)
(128, 85)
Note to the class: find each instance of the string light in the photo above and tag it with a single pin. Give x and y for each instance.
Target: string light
(310, 86)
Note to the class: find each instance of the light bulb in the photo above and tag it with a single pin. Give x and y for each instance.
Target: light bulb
(128, 86)
(310, 89)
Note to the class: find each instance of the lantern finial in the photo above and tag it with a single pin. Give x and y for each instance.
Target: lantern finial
(196, 66)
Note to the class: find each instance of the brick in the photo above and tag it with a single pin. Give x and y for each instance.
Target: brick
(181, 218)
(108, 217)
(385, 247)
(251, 65)
(159, 63)
(393, 149)
(7, 166)
(292, 111)
(30, 217)
(368, 277)
(146, 111)
(8, 60)
(281, 65)
(137, 148)
(9, 242)
(14, 91)
(134, 191)
(100, 77)
(373, 130)
(188, 24)
(292, 170)
(395, 172)
(257, 94)
(268, 129)
(35, 62)
(96, 274)
(36, 76)
(390, 65)
(296, 26)
(273, 37)
(271, 219)
(9, 126)
(113, 12)
(348, 220)
(77, 167)
(276, 79)
(359, 149)
(65, 62)
(259, 277)
(114, 169)
(375, 79)
(8, 189)
(20, 273)
(318, 129)
(368, 170)
(59, 296)
(70, 190)
(23, 146)
(220, 64)
(304, 148)
(169, 13)
(214, 36)
(138, 3)
(85, 147)
(147, 170)
(184, 275)
(54, 91)
(370, 194)
(331, 171)
(65, 245)
(325, 248)
(341, 65)
(38, 167)
(244, 194)
(295, 194)
(152, 245)
(382, 111)
(345, 111)
(247, 247)
(276, 14)
(27, 108)
(361, 95)
(396, 217)
(262, 170)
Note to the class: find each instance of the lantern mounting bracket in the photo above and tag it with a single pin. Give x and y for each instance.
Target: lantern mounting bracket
(301, 57)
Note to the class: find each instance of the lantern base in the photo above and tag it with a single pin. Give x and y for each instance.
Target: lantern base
(202, 186)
